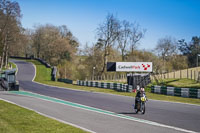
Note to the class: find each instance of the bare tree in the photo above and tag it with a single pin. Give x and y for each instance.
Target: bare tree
(9, 27)
(124, 37)
(166, 48)
(37, 41)
(107, 33)
(54, 44)
(136, 35)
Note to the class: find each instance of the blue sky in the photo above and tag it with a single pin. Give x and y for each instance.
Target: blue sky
(176, 18)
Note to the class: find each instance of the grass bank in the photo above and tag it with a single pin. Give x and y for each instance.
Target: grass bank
(13, 65)
(181, 83)
(15, 119)
(43, 76)
(8, 67)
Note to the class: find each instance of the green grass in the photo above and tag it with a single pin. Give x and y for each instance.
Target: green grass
(13, 65)
(179, 83)
(15, 119)
(42, 73)
(172, 98)
(9, 63)
(182, 83)
(43, 76)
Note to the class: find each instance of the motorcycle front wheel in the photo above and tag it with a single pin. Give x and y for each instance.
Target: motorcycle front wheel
(143, 108)
(137, 108)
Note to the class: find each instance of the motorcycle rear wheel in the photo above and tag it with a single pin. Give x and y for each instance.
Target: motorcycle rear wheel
(136, 111)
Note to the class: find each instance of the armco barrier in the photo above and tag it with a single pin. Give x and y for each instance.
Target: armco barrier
(114, 86)
(28, 58)
(173, 91)
(65, 81)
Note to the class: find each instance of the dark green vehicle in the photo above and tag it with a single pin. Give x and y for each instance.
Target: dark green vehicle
(8, 80)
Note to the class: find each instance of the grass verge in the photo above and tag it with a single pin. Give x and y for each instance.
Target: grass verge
(13, 65)
(15, 119)
(181, 83)
(8, 67)
(43, 76)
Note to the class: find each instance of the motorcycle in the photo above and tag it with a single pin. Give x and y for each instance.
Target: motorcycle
(141, 105)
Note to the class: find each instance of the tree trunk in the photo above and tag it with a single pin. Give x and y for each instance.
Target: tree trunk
(65, 72)
(6, 60)
(38, 51)
(122, 55)
(132, 49)
(105, 60)
(104, 64)
(4, 50)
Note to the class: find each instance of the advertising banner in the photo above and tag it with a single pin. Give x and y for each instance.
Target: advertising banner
(134, 66)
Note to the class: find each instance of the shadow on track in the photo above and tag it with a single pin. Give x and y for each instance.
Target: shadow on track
(127, 113)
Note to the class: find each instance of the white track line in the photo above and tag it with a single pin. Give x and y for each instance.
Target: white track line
(74, 125)
(109, 113)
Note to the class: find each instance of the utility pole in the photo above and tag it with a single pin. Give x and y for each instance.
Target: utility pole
(198, 59)
(93, 73)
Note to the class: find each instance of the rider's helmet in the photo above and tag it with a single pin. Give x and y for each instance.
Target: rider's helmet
(142, 89)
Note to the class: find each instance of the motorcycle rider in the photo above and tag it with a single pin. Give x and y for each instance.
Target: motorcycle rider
(140, 93)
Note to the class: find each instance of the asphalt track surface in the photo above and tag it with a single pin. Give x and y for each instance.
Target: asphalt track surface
(175, 115)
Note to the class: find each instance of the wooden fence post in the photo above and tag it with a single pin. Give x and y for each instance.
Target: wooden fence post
(198, 80)
(174, 75)
(167, 74)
